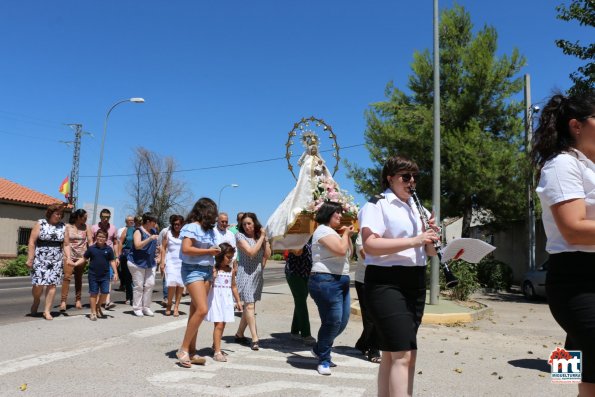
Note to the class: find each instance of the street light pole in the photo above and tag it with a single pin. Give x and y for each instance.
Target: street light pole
(134, 100)
(434, 269)
(221, 190)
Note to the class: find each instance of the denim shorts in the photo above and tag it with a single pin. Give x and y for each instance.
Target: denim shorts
(98, 283)
(193, 272)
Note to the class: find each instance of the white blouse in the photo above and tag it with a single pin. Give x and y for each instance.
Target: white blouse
(390, 217)
(567, 176)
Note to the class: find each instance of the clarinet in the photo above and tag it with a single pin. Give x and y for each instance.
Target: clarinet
(451, 280)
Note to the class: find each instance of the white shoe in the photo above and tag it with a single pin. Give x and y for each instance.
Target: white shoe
(148, 312)
(138, 313)
(324, 369)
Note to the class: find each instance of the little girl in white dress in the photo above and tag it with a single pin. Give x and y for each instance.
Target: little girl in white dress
(221, 297)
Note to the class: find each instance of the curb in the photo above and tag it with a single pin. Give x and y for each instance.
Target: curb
(442, 318)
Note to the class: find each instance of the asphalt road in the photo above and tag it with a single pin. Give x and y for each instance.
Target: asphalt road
(16, 299)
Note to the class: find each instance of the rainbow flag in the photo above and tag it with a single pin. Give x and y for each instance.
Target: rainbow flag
(65, 187)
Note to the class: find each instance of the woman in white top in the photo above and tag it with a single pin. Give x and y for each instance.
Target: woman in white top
(564, 153)
(171, 263)
(329, 279)
(396, 248)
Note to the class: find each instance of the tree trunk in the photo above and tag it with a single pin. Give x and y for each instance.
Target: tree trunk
(467, 215)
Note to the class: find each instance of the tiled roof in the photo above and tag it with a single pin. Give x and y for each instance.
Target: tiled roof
(11, 191)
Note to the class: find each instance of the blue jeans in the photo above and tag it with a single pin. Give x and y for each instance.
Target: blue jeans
(331, 294)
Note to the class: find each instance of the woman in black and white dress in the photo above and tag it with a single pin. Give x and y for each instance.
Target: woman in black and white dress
(48, 250)
(564, 154)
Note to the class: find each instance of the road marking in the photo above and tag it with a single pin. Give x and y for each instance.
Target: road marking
(172, 380)
(306, 358)
(19, 364)
(30, 361)
(288, 371)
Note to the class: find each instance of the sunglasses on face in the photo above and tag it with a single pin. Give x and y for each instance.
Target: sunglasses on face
(407, 177)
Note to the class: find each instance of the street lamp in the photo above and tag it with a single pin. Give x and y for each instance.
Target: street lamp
(219, 200)
(134, 100)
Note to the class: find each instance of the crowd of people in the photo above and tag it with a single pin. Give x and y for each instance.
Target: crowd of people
(222, 267)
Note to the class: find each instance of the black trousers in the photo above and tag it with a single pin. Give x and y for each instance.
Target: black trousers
(570, 289)
(367, 339)
(126, 277)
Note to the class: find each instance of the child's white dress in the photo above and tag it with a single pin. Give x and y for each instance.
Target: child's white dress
(221, 299)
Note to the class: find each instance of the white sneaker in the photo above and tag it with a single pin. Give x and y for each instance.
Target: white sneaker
(324, 369)
(138, 313)
(148, 312)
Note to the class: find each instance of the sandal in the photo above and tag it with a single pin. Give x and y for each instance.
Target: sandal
(47, 316)
(63, 306)
(198, 360)
(176, 313)
(168, 312)
(254, 345)
(78, 305)
(93, 317)
(219, 356)
(184, 359)
(34, 308)
(373, 357)
(99, 312)
(222, 352)
(240, 339)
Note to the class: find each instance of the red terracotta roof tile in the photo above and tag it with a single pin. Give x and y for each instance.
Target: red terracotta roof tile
(12, 191)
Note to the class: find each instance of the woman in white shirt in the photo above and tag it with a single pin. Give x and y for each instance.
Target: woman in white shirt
(329, 279)
(396, 247)
(564, 154)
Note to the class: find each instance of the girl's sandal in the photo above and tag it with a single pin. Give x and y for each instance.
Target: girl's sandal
(168, 312)
(219, 356)
(176, 313)
(254, 346)
(183, 359)
(47, 316)
(374, 357)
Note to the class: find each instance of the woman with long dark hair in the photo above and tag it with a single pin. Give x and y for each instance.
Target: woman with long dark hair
(254, 251)
(564, 155)
(199, 245)
(171, 264)
(397, 247)
(80, 238)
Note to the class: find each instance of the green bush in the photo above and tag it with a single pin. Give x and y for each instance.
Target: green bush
(467, 274)
(492, 273)
(277, 257)
(17, 267)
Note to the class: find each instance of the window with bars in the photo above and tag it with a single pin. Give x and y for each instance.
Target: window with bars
(24, 233)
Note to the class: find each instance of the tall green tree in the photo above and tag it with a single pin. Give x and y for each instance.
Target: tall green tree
(483, 164)
(582, 11)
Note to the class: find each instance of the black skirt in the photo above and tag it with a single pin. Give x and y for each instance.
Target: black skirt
(570, 289)
(396, 298)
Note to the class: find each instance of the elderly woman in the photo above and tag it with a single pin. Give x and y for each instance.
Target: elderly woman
(564, 154)
(80, 238)
(251, 242)
(49, 247)
(329, 279)
(396, 247)
(142, 265)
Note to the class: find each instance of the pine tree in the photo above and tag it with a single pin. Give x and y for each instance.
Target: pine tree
(483, 163)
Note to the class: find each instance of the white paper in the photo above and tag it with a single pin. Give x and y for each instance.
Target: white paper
(468, 249)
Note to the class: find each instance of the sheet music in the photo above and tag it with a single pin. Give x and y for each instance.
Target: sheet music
(468, 249)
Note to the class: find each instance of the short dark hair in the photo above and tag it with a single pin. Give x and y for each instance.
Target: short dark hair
(76, 215)
(396, 164)
(101, 231)
(149, 217)
(58, 207)
(257, 225)
(326, 211)
(105, 211)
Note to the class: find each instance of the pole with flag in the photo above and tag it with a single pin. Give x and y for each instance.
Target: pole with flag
(65, 188)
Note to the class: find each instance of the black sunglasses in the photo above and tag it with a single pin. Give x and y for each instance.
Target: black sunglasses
(407, 177)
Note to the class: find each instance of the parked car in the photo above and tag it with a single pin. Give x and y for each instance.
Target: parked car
(534, 282)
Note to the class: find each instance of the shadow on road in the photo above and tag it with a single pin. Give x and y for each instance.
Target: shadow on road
(531, 363)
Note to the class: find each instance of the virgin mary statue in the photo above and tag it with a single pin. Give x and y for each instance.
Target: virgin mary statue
(313, 174)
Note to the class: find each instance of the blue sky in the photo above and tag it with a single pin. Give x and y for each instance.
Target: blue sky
(223, 82)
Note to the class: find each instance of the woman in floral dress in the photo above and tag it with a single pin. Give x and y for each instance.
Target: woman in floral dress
(48, 249)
